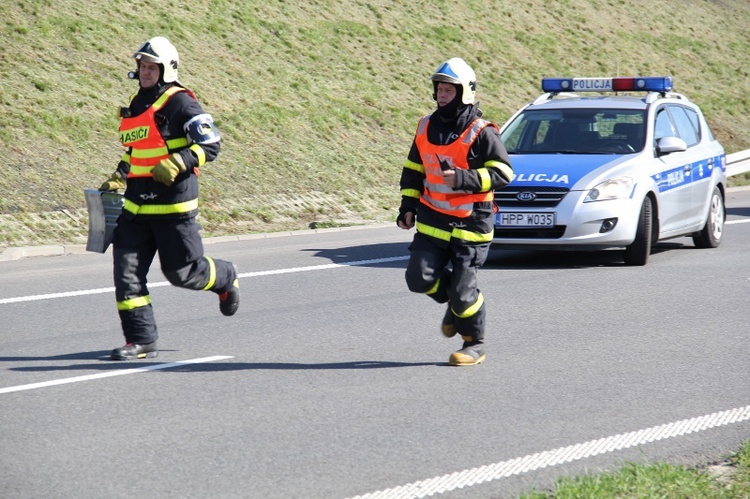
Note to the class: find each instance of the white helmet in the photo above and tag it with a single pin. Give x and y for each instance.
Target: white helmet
(160, 51)
(457, 72)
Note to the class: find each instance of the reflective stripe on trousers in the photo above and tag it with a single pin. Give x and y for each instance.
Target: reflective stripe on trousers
(428, 273)
(180, 249)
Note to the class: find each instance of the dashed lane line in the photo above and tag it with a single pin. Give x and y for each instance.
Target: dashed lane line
(118, 372)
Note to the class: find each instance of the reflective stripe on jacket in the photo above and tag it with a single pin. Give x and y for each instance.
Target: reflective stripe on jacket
(437, 195)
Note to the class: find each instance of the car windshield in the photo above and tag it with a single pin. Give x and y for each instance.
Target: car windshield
(576, 131)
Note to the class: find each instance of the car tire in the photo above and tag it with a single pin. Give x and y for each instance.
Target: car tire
(638, 252)
(710, 235)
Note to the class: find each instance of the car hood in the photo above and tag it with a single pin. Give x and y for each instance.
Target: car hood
(560, 170)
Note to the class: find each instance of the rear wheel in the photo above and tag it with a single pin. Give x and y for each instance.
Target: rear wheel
(638, 252)
(710, 235)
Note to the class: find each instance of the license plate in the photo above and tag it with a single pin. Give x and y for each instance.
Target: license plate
(520, 219)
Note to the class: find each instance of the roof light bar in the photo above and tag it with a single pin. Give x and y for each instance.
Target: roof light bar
(615, 84)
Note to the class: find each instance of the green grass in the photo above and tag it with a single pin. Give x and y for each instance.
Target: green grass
(659, 480)
(317, 101)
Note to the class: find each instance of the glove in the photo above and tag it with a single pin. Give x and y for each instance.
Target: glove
(168, 169)
(114, 183)
(401, 220)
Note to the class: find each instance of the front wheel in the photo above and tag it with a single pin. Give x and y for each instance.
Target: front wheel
(710, 235)
(638, 252)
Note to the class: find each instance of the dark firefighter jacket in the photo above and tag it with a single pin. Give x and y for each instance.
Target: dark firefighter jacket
(144, 197)
(488, 169)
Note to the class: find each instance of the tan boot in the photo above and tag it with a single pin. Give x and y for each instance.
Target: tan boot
(448, 327)
(471, 354)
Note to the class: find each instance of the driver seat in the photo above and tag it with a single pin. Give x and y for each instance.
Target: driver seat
(632, 133)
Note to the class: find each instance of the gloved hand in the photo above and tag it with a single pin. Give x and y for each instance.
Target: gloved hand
(114, 183)
(168, 169)
(406, 218)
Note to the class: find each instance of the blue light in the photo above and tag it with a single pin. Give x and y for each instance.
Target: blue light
(557, 84)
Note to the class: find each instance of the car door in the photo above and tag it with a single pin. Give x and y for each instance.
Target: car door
(687, 123)
(672, 174)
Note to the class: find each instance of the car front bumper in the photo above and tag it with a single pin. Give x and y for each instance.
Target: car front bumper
(578, 225)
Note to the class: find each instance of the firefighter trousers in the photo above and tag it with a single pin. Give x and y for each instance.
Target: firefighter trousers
(449, 274)
(180, 248)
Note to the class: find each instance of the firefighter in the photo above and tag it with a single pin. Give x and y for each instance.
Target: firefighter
(455, 163)
(167, 136)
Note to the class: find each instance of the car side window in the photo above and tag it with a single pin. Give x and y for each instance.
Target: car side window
(685, 126)
(663, 126)
(696, 121)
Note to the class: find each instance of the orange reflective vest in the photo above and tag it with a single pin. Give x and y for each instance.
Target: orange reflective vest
(142, 135)
(438, 196)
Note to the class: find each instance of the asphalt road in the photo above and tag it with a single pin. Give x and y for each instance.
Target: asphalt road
(332, 380)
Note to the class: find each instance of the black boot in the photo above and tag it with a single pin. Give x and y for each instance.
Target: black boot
(229, 301)
(471, 354)
(448, 327)
(133, 351)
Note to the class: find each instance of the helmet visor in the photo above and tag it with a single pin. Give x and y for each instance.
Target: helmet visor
(446, 74)
(146, 53)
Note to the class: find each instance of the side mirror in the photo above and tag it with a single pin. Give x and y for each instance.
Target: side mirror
(668, 145)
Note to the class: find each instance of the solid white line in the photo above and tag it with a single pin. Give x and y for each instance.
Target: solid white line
(160, 284)
(732, 222)
(504, 469)
(326, 266)
(66, 294)
(119, 372)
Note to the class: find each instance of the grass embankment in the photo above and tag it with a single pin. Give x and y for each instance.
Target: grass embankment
(317, 101)
(727, 480)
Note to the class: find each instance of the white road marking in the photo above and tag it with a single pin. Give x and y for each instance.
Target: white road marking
(517, 466)
(119, 372)
(160, 284)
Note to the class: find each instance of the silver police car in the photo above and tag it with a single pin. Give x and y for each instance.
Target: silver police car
(605, 163)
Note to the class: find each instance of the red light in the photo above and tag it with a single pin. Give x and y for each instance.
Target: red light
(623, 84)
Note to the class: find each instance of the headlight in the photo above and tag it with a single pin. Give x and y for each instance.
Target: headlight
(614, 188)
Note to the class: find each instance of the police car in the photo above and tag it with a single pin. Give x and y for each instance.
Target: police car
(606, 163)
